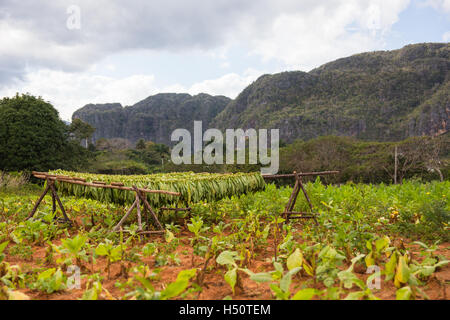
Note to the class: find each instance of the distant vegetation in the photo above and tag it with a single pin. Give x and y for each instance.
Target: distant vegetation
(370, 162)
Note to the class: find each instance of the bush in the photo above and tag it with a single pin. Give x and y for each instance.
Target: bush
(13, 180)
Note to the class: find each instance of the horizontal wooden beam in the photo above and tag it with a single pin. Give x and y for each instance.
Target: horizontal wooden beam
(299, 174)
(300, 217)
(175, 209)
(45, 176)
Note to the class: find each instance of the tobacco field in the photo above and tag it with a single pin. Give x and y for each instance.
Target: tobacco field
(370, 242)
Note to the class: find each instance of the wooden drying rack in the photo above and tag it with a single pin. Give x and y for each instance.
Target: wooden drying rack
(140, 197)
(288, 213)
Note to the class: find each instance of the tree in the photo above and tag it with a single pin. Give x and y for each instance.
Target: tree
(437, 145)
(150, 153)
(33, 137)
(140, 145)
(81, 130)
(416, 156)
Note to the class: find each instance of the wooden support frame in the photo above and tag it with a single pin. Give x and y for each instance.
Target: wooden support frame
(55, 199)
(140, 198)
(288, 212)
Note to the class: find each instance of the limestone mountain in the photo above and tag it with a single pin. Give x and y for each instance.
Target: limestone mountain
(153, 118)
(387, 95)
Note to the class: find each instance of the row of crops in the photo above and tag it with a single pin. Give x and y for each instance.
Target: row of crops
(193, 187)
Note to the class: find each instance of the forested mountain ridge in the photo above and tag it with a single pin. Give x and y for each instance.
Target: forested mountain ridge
(383, 96)
(372, 96)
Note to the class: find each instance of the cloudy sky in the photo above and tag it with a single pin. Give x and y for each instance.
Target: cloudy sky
(78, 51)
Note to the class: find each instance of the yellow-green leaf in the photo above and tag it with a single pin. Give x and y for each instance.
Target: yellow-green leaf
(295, 260)
(403, 273)
(404, 293)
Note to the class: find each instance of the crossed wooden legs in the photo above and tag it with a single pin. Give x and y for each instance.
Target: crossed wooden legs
(55, 198)
(140, 196)
(288, 213)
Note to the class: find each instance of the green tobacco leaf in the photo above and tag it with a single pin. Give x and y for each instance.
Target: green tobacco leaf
(426, 271)
(46, 274)
(145, 282)
(174, 289)
(442, 263)
(285, 282)
(278, 267)
(3, 246)
(101, 250)
(17, 295)
(90, 294)
(231, 278)
(390, 266)
(404, 293)
(186, 274)
(306, 294)
(403, 273)
(355, 295)
(370, 261)
(295, 260)
(169, 236)
(59, 277)
(348, 278)
(280, 294)
(261, 277)
(382, 243)
(308, 269)
(227, 258)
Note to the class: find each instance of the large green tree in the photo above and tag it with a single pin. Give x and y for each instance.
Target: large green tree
(81, 130)
(33, 137)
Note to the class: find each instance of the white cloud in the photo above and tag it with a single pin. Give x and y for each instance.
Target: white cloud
(22, 44)
(229, 85)
(298, 33)
(438, 4)
(59, 64)
(306, 39)
(70, 91)
(446, 36)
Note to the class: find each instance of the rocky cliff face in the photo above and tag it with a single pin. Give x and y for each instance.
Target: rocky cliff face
(372, 96)
(154, 118)
(386, 95)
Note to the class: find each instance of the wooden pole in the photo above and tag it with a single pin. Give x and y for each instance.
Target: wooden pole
(304, 192)
(149, 208)
(59, 202)
(116, 228)
(100, 184)
(302, 174)
(138, 209)
(53, 203)
(36, 205)
(291, 203)
(395, 165)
